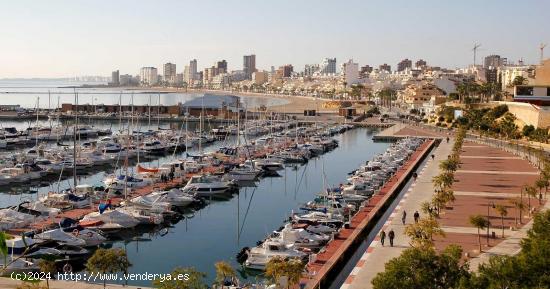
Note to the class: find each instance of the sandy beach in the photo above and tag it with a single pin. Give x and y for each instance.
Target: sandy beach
(294, 103)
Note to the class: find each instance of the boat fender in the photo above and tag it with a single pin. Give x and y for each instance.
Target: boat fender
(67, 268)
(76, 232)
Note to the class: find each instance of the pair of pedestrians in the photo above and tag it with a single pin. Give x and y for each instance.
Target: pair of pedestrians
(391, 233)
(391, 236)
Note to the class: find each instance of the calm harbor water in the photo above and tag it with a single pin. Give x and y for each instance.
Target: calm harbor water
(53, 93)
(219, 230)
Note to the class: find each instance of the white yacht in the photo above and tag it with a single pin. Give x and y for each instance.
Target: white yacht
(259, 256)
(60, 236)
(300, 238)
(109, 220)
(206, 186)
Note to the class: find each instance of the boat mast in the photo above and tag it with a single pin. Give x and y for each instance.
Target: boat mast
(158, 114)
(36, 126)
(126, 158)
(75, 111)
(149, 124)
(200, 125)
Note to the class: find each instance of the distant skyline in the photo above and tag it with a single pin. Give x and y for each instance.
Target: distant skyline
(64, 38)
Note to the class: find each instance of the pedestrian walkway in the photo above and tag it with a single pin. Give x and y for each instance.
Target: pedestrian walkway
(376, 256)
(488, 176)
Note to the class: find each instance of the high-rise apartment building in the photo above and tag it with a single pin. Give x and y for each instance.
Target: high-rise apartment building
(310, 69)
(420, 63)
(115, 78)
(327, 66)
(286, 70)
(494, 61)
(169, 72)
(221, 66)
(385, 67)
(193, 70)
(148, 76)
(350, 71)
(249, 65)
(404, 64)
(365, 70)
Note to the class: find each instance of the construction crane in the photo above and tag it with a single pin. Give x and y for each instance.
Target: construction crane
(476, 46)
(541, 47)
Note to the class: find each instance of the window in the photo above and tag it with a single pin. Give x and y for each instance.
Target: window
(524, 90)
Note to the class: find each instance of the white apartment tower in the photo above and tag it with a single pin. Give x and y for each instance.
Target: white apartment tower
(350, 71)
(148, 76)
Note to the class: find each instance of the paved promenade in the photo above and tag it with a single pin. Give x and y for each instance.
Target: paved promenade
(488, 176)
(373, 260)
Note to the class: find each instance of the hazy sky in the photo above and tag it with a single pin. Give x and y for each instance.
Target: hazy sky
(57, 38)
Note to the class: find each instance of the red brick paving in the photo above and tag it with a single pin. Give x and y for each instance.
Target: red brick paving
(465, 206)
(460, 210)
(495, 165)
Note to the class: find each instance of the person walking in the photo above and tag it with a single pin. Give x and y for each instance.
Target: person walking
(416, 216)
(404, 217)
(382, 237)
(391, 235)
(415, 175)
(433, 156)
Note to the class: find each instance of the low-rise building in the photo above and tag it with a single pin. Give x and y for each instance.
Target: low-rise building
(424, 97)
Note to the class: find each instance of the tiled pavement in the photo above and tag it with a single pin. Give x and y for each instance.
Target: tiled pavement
(488, 176)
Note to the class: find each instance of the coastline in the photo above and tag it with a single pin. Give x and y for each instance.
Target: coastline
(294, 103)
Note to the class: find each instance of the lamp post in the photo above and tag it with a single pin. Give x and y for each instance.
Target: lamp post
(489, 205)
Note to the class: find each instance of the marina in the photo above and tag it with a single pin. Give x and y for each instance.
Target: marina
(203, 208)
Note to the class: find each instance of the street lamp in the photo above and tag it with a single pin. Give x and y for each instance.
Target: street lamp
(489, 205)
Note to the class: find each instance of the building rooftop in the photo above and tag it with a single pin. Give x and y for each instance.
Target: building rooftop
(213, 101)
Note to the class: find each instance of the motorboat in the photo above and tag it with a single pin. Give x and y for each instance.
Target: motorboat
(298, 237)
(243, 173)
(143, 215)
(91, 237)
(175, 197)
(61, 237)
(259, 256)
(207, 186)
(269, 164)
(154, 147)
(108, 220)
(120, 182)
(18, 246)
(328, 219)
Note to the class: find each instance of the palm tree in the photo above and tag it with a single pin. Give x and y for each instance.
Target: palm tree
(449, 165)
(480, 223)
(531, 192)
(520, 206)
(541, 183)
(519, 80)
(443, 180)
(503, 212)
(223, 271)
